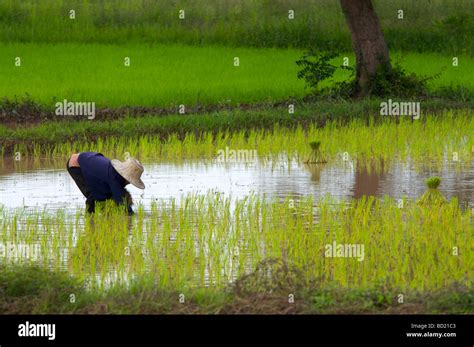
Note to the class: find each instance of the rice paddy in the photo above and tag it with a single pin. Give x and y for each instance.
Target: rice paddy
(182, 86)
(171, 75)
(210, 241)
(430, 141)
(208, 244)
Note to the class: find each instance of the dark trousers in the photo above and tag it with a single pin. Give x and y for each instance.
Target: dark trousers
(77, 176)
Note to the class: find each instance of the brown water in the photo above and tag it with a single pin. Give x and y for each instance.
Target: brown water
(46, 183)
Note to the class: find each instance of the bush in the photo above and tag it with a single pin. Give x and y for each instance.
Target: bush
(398, 82)
(317, 67)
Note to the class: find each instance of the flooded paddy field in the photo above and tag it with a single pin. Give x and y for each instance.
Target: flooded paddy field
(44, 182)
(206, 223)
(372, 209)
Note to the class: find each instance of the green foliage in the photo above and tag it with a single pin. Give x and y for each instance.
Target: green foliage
(165, 76)
(433, 182)
(454, 92)
(393, 81)
(315, 145)
(187, 243)
(315, 157)
(36, 290)
(33, 281)
(159, 75)
(271, 131)
(317, 66)
(396, 81)
(432, 197)
(51, 296)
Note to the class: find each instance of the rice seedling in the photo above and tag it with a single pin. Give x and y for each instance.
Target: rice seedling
(315, 157)
(432, 197)
(209, 241)
(427, 142)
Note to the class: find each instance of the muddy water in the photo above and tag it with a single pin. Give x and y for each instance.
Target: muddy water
(46, 183)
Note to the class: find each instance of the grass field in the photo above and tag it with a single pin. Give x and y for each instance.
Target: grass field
(428, 25)
(170, 75)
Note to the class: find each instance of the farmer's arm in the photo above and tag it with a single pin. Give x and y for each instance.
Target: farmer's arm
(118, 194)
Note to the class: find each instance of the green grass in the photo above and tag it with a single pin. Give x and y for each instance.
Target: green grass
(170, 75)
(426, 141)
(429, 25)
(34, 290)
(426, 64)
(203, 242)
(161, 75)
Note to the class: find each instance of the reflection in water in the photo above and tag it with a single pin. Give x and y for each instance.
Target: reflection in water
(315, 170)
(46, 183)
(367, 180)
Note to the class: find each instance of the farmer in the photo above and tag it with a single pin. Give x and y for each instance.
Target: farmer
(100, 178)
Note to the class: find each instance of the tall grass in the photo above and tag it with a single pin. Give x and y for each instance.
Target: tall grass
(435, 25)
(210, 240)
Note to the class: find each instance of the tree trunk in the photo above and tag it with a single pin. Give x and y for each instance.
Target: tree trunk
(369, 45)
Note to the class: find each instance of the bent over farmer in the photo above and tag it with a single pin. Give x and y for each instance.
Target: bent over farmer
(101, 179)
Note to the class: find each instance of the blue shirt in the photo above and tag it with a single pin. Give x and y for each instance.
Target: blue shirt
(102, 179)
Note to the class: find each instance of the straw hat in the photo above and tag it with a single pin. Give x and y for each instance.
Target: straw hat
(131, 169)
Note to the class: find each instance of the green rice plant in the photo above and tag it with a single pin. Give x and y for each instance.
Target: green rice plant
(316, 157)
(208, 241)
(426, 142)
(164, 76)
(432, 197)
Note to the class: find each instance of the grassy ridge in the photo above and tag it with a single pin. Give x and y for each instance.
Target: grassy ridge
(33, 290)
(428, 25)
(170, 75)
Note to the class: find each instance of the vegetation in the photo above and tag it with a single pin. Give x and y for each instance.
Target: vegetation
(184, 97)
(432, 197)
(315, 157)
(428, 25)
(171, 75)
(426, 141)
(202, 242)
(30, 289)
(159, 75)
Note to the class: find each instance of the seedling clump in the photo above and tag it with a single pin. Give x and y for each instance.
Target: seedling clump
(315, 157)
(432, 197)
